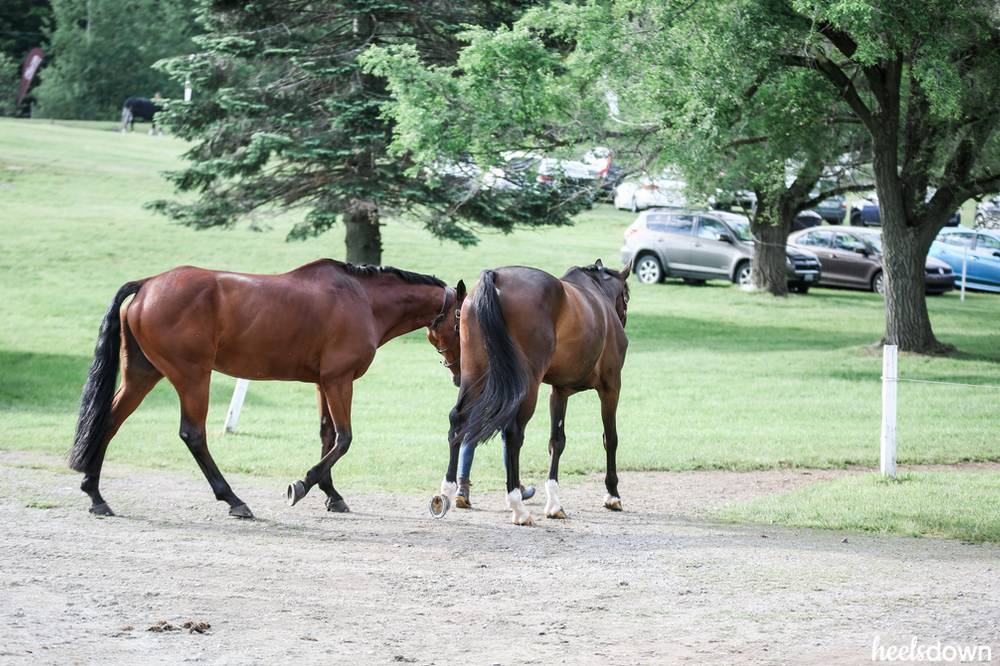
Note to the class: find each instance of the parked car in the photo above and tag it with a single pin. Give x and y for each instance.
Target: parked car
(865, 213)
(703, 245)
(832, 209)
(806, 219)
(853, 258)
(988, 213)
(979, 249)
(650, 192)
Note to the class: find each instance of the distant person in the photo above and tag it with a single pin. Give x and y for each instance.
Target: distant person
(143, 109)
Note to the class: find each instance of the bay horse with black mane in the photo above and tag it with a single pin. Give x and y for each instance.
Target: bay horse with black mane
(521, 327)
(320, 323)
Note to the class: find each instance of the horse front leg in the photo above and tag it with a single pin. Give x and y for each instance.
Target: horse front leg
(609, 409)
(442, 502)
(338, 394)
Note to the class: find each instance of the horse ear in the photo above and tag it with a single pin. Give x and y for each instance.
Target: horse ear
(460, 290)
(626, 270)
(599, 263)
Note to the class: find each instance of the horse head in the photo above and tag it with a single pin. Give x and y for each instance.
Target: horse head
(442, 332)
(614, 284)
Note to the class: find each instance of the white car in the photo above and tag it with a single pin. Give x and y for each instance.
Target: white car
(650, 192)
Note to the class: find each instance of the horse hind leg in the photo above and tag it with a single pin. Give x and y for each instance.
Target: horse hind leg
(338, 395)
(557, 443)
(193, 392)
(609, 409)
(138, 379)
(513, 439)
(328, 439)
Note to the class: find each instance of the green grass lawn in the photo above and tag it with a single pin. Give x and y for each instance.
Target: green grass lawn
(715, 378)
(962, 505)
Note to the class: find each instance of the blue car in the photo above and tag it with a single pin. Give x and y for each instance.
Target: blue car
(866, 213)
(982, 251)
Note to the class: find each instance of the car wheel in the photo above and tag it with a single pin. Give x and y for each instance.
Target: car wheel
(878, 283)
(649, 270)
(801, 289)
(856, 219)
(744, 275)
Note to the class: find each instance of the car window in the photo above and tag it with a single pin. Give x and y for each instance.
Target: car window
(672, 224)
(711, 229)
(843, 241)
(815, 239)
(988, 242)
(960, 239)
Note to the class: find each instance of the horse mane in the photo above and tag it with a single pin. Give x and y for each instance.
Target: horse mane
(368, 270)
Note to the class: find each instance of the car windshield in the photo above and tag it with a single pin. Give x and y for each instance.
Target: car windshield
(742, 230)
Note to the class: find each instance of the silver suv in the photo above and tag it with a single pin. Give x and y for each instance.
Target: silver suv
(704, 245)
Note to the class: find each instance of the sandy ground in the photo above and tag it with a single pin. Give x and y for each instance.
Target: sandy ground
(659, 583)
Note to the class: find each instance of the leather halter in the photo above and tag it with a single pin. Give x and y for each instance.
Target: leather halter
(439, 317)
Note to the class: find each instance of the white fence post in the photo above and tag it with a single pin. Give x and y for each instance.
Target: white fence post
(890, 373)
(236, 404)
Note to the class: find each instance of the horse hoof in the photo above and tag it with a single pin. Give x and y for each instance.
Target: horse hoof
(439, 506)
(558, 515)
(524, 522)
(461, 502)
(241, 511)
(613, 503)
(296, 491)
(102, 509)
(337, 506)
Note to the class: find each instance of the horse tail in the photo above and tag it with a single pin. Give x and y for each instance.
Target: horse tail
(506, 381)
(95, 403)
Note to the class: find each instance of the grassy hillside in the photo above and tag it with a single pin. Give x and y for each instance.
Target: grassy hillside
(715, 377)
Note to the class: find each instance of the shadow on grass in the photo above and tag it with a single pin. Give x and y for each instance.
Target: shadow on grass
(44, 382)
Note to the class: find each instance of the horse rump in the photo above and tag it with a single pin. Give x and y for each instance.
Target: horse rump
(506, 380)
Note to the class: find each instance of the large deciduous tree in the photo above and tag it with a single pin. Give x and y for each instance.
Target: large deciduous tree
(283, 116)
(694, 91)
(924, 79)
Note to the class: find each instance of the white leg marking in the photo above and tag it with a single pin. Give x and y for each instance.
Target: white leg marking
(449, 490)
(521, 514)
(612, 502)
(552, 504)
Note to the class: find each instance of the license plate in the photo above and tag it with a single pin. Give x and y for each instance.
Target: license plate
(809, 277)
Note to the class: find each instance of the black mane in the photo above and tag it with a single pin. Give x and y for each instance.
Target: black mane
(409, 277)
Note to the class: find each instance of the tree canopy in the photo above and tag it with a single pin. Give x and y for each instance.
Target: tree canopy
(284, 116)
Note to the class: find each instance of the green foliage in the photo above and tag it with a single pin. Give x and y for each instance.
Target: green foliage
(8, 85)
(102, 52)
(284, 116)
(22, 24)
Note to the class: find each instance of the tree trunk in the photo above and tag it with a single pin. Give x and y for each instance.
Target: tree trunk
(904, 244)
(907, 323)
(770, 231)
(364, 235)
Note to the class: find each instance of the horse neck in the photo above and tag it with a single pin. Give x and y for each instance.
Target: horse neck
(399, 307)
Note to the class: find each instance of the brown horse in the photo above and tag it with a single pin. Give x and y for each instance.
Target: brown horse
(320, 323)
(522, 327)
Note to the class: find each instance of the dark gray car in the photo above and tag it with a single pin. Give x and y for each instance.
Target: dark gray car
(703, 245)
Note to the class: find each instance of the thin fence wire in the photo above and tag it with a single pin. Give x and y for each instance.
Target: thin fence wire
(931, 381)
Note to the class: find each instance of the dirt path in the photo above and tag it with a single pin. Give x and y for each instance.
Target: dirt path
(386, 584)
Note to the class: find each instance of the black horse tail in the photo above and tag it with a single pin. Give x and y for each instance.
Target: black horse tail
(506, 381)
(95, 404)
